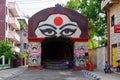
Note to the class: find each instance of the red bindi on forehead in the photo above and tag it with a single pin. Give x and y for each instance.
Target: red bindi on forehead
(58, 21)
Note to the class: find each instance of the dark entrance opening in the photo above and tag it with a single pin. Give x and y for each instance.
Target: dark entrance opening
(57, 53)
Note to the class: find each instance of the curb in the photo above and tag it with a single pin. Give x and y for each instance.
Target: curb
(15, 73)
(18, 72)
(94, 76)
(117, 73)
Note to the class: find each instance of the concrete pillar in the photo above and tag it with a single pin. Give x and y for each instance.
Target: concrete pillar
(108, 28)
(3, 60)
(9, 61)
(80, 48)
(34, 59)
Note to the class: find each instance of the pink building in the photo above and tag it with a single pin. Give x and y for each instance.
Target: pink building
(9, 25)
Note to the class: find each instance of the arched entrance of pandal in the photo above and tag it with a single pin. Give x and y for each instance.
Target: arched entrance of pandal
(57, 53)
(58, 39)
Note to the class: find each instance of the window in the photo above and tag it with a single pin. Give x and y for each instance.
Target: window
(0, 61)
(6, 61)
(18, 44)
(119, 44)
(24, 34)
(25, 45)
(6, 25)
(112, 20)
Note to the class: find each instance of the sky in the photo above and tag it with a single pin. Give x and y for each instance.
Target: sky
(30, 7)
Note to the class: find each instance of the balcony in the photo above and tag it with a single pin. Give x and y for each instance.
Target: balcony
(14, 23)
(13, 36)
(16, 49)
(14, 9)
(108, 3)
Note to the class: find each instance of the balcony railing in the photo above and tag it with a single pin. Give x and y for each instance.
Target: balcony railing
(16, 49)
(13, 36)
(14, 9)
(14, 23)
(108, 3)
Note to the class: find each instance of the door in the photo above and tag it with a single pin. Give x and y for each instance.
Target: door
(114, 55)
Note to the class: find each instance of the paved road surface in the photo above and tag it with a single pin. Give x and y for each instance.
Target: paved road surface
(47, 74)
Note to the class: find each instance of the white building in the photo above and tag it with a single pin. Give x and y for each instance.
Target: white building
(112, 9)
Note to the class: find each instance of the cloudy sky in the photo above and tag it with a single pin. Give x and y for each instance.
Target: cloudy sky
(30, 7)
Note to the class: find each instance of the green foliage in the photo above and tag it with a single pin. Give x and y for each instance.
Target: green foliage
(5, 48)
(22, 23)
(92, 44)
(73, 4)
(96, 21)
(8, 54)
(103, 42)
(23, 55)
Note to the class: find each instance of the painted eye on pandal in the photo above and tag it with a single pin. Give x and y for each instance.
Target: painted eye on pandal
(67, 32)
(48, 32)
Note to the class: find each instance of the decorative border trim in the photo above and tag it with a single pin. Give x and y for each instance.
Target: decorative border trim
(73, 39)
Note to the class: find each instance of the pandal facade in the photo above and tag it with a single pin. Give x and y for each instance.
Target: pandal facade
(58, 39)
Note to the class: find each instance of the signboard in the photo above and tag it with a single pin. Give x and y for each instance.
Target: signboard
(117, 28)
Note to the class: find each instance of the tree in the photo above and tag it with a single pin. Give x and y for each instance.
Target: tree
(22, 23)
(97, 22)
(5, 48)
(23, 55)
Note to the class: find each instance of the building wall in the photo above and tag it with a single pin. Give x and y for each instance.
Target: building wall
(2, 18)
(23, 41)
(115, 37)
(11, 30)
(115, 9)
(7, 31)
(101, 57)
(112, 8)
(98, 57)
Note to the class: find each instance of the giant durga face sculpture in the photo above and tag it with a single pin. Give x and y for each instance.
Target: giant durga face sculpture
(58, 21)
(58, 25)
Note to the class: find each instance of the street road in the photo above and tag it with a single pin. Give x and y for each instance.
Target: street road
(48, 74)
